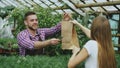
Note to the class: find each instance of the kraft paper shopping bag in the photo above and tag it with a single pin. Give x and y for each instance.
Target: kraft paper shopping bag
(69, 35)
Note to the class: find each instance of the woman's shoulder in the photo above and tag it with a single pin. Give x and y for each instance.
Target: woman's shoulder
(91, 42)
(91, 46)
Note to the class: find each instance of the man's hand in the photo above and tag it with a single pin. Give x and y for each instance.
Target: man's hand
(67, 16)
(54, 41)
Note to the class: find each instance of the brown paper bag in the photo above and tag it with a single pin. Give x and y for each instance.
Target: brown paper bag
(69, 35)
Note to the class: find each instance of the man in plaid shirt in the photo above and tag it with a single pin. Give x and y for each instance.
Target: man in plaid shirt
(31, 41)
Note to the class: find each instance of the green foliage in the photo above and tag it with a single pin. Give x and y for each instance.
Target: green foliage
(40, 61)
(7, 43)
(5, 11)
(46, 18)
(118, 60)
(17, 15)
(35, 61)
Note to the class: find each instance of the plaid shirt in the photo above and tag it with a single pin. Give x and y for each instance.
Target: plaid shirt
(26, 40)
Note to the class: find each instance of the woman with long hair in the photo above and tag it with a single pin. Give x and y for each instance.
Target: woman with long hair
(98, 52)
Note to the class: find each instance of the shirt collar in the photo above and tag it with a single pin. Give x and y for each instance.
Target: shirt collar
(37, 33)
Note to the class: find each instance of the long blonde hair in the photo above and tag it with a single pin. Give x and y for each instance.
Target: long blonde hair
(101, 32)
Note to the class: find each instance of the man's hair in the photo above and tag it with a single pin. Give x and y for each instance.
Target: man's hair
(29, 13)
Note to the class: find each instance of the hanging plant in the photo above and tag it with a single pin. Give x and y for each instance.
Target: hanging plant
(4, 12)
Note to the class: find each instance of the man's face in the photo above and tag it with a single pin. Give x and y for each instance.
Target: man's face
(31, 22)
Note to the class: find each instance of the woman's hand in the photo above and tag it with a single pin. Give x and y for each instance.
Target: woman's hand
(74, 22)
(75, 50)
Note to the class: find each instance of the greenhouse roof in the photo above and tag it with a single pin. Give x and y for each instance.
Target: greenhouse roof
(77, 6)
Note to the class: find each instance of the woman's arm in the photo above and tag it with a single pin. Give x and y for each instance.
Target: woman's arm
(84, 29)
(77, 58)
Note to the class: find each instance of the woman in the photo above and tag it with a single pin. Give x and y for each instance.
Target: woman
(98, 52)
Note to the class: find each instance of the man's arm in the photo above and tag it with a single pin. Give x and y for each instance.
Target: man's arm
(51, 31)
(26, 42)
(41, 44)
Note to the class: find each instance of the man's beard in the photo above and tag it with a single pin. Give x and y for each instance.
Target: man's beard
(31, 28)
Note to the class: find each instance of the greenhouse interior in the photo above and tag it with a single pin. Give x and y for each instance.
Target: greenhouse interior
(16, 33)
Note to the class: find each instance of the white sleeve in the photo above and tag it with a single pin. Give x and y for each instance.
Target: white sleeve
(90, 46)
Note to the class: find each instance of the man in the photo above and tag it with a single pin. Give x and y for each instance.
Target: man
(32, 40)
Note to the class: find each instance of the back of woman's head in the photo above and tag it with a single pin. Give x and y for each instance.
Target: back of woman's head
(101, 32)
(100, 29)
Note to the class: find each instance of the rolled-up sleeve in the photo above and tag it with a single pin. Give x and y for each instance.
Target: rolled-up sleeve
(51, 31)
(24, 41)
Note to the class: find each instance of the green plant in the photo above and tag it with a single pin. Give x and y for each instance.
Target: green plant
(8, 43)
(42, 61)
(8, 46)
(5, 11)
(35, 61)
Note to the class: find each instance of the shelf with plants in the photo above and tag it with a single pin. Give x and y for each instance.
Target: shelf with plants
(8, 46)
